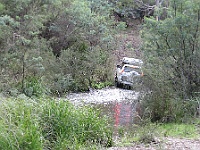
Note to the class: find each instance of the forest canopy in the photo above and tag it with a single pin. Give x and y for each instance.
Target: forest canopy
(56, 45)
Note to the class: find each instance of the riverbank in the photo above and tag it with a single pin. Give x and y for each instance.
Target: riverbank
(164, 144)
(25, 119)
(171, 136)
(119, 106)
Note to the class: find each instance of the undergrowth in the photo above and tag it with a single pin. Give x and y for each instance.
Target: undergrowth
(51, 124)
(150, 132)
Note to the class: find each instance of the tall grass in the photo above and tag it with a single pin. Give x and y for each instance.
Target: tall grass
(19, 126)
(66, 125)
(50, 124)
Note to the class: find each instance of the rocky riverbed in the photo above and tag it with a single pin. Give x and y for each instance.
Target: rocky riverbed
(103, 96)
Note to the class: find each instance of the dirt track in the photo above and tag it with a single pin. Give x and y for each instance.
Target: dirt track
(165, 144)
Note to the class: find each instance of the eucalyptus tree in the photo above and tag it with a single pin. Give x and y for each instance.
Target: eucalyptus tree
(21, 49)
(88, 32)
(130, 10)
(172, 54)
(55, 40)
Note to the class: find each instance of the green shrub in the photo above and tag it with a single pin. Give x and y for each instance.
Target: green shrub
(62, 84)
(33, 86)
(101, 85)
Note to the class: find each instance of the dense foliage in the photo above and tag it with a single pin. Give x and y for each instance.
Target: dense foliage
(55, 46)
(172, 52)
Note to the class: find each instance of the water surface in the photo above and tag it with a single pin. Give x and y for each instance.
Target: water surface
(118, 104)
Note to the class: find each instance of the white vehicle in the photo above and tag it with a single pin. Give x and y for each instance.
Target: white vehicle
(129, 73)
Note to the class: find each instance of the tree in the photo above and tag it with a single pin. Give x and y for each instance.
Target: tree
(138, 9)
(40, 39)
(172, 54)
(20, 49)
(87, 35)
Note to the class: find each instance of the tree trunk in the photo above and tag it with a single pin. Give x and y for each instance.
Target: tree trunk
(157, 5)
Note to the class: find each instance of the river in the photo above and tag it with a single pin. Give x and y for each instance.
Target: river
(118, 104)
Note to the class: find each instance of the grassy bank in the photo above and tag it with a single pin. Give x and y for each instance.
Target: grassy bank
(56, 124)
(51, 124)
(150, 132)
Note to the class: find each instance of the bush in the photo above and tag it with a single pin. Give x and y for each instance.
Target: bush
(162, 104)
(62, 84)
(100, 85)
(33, 86)
(172, 61)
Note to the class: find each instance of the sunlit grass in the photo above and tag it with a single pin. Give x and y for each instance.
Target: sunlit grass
(179, 130)
(151, 131)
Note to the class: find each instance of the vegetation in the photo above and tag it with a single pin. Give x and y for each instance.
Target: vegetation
(52, 47)
(171, 51)
(151, 132)
(62, 45)
(51, 124)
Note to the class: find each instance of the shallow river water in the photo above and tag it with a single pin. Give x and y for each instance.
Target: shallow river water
(105, 95)
(118, 104)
